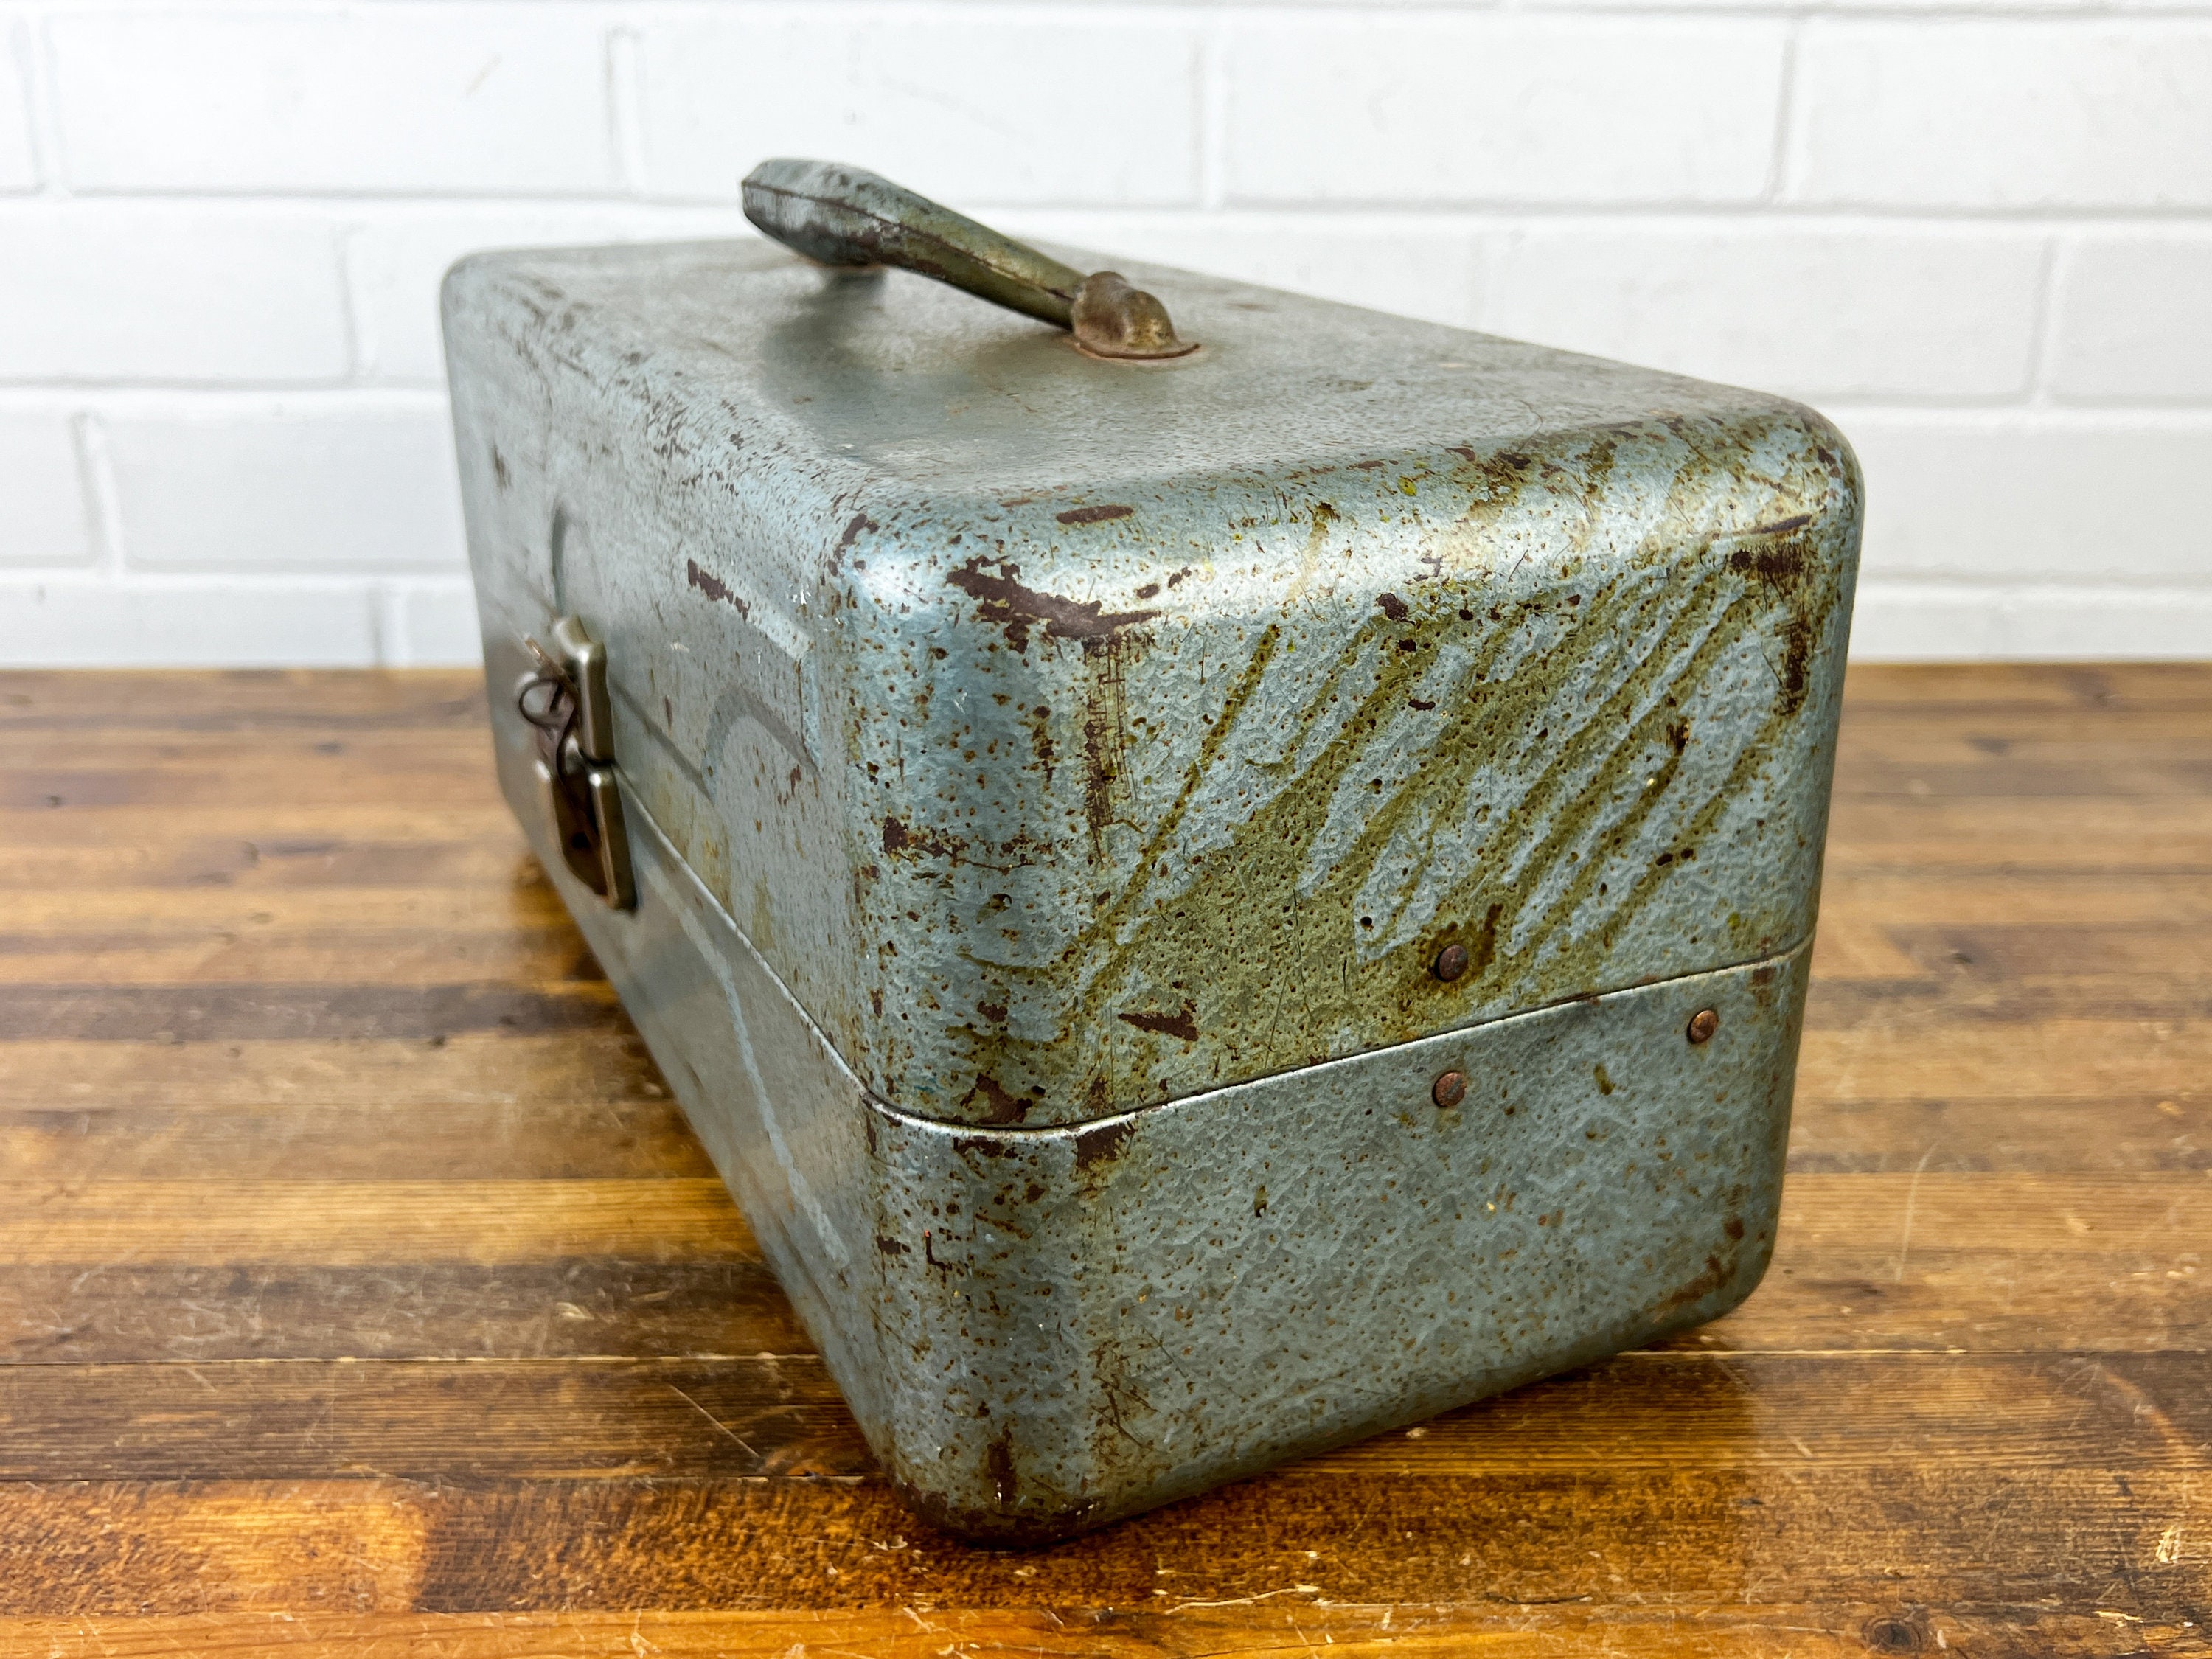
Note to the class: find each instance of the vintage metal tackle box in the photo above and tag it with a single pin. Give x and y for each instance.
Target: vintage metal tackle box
(1218, 872)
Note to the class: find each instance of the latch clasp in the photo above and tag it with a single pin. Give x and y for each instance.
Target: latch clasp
(565, 701)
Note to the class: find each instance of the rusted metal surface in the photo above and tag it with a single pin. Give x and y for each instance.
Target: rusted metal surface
(1071, 738)
(1042, 1330)
(1083, 813)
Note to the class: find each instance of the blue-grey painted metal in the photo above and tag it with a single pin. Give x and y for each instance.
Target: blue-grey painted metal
(1053, 784)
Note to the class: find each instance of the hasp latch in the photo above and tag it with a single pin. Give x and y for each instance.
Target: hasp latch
(565, 701)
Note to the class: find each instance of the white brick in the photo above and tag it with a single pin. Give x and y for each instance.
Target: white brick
(1852, 311)
(433, 625)
(45, 520)
(167, 291)
(19, 166)
(2015, 113)
(1433, 271)
(331, 483)
(89, 623)
(478, 98)
(2028, 496)
(398, 257)
(972, 110)
(1915, 621)
(2133, 318)
(1428, 108)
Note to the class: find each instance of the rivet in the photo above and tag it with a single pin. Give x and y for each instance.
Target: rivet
(1703, 1024)
(1450, 962)
(1449, 1090)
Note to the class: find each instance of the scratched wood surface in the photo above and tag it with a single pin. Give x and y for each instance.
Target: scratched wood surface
(362, 1290)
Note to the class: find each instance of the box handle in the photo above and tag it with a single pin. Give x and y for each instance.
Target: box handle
(841, 215)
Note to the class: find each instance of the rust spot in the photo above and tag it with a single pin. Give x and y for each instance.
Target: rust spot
(1002, 600)
(1093, 514)
(859, 522)
(713, 587)
(1149, 590)
(1605, 1084)
(1732, 1226)
(1780, 560)
(963, 1145)
(1484, 951)
(993, 1011)
(1103, 1145)
(1394, 607)
(897, 838)
(891, 1246)
(1177, 578)
(1796, 654)
(1714, 1277)
(1183, 1024)
(1105, 735)
(997, 1106)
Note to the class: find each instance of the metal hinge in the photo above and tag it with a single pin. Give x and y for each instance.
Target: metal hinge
(566, 701)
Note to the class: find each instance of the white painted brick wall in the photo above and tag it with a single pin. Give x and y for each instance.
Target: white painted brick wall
(1978, 232)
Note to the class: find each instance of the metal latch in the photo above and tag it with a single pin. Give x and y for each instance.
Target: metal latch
(566, 701)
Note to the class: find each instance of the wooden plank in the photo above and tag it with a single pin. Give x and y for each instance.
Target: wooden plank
(1902, 1053)
(385, 957)
(595, 1306)
(168, 700)
(1994, 898)
(280, 824)
(1288, 1619)
(509, 905)
(255, 863)
(119, 1270)
(437, 782)
(1840, 1133)
(2025, 1539)
(444, 1140)
(499, 1066)
(1941, 691)
(1648, 1416)
(364, 1223)
(215, 1013)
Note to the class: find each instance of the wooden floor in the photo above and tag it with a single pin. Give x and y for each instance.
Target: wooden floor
(360, 1287)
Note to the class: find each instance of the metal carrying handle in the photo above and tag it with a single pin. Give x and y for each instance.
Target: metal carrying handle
(841, 215)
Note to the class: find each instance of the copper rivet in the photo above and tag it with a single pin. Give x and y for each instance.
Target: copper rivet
(1703, 1024)
(1449, 1090)
(1451, 962)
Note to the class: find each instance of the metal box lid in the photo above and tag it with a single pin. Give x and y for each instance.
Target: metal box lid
(1071, 735)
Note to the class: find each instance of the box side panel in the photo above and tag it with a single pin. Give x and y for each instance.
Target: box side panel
(1117, 1315)
(665, 518)
(1049, 805)
(1192, 784)
(783, 1119)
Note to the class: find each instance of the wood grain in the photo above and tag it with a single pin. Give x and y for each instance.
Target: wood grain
(360, 1288)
